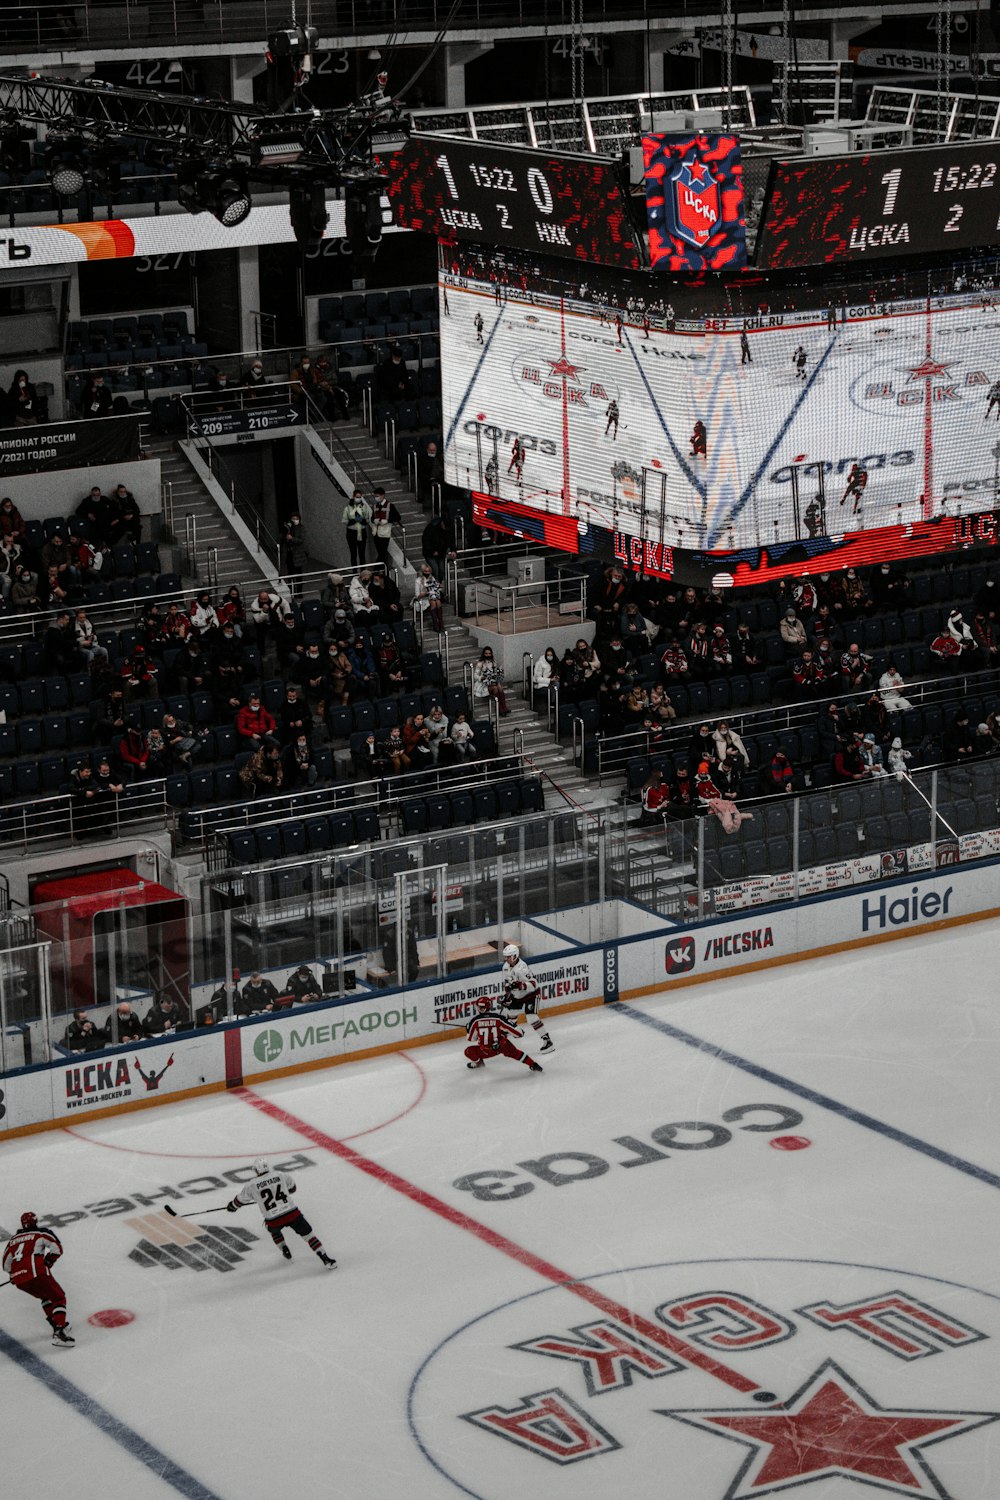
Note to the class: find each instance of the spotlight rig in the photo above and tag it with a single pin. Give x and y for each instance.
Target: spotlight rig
(220, 149)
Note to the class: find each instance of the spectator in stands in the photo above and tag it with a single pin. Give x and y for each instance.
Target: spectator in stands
(202, 616)
(609, 600)
(984, 636)
(726, 739)
(255, 382)
(363, 607)
(847, 764)
(335, 596)
(368, 759)
(793, 634)
(337, 398)
(231, 611)
(705, 789)
(356, 520)
(81, 1035)
(661, 709)
(890, 686)
(11, 520)
(105, 780)
(421, 755)
(823, 626)
(60, 645)
(898, 758)
(437, 543)
(722, 654)
(303, 988)
(427, 596)
(805, 598)
(436, 725)
(126, 1022)
(682, 793)
(571, 681)
(698, 650)
(10, 553)
(386, 597)
(461, 736)
(22, 401)
(412, 729)
(91, 510)
(298, 764)
(23, 597)
(545, 673)
(393, 381)
(90, 814)
(654, 795)
(960, 738)
(165, 1016)
(97, 398)
(746, 650)
(124, 517)
(871, 757)
(383, 514)
(293, 716)
(808, 674)
(54, 590)
(882, 587)
(255, 724)
(226, 665)
(265, 614)
(259, 995)
(139, 674)
(987, 597)
(984, 740)
(132, 757)
(781, 772)
(364, 673)
(290, 641)
(339, 673)
(728, 775)
(488, 680)
(636, 705)
(857, 600)
(702, 745)
(171, 629)
(993, 725)
(294, 556)
(180, 742)
(430, 471)
(56, 554)
(263, 771)
(855, 668)
(224, 395)
(87, 644)
(392, 751)
(635, 630)
(193, 670)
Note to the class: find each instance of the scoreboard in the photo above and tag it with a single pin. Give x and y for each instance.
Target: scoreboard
(869, 206)
(553, 204)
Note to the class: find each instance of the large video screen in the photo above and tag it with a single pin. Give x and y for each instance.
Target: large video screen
(799, 435)
(694, 202)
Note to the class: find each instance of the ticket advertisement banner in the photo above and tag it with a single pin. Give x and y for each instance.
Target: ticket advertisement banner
(151, 235)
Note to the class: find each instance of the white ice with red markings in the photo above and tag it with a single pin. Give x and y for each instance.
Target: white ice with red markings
(783, 1231)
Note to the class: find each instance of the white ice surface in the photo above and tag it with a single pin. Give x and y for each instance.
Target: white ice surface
(284, 1379)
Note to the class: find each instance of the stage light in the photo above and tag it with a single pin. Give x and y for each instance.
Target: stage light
(307, 212)
(276, 151)
(389, 137)
(65, 165)
(218, 189)
(363, 214)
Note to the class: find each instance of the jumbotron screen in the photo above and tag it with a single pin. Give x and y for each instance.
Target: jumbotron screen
(694, 202)
(790, 444)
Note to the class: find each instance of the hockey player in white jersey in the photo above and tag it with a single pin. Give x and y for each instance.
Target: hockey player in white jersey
(521, 991)
(272, 1192)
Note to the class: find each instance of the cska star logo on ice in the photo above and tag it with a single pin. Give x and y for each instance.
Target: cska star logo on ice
(736, 1380)
(693, 195)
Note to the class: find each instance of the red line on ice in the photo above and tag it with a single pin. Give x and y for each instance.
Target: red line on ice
(653, 1332)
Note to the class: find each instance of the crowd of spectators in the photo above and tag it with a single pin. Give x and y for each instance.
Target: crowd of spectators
(55, 569)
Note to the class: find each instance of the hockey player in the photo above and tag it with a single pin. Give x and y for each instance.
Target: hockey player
(799, 361)
(521, 991)
(516, 465)
(856, 481)
(992, 400)
(477, 324)
(28, 1258)
(612, 416)
(746, 358)
(490, 1034)
(271, 1191)
(699, 440)
(492, 475)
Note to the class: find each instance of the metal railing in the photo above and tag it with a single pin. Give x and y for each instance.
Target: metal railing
(62, 816)
(561, 600)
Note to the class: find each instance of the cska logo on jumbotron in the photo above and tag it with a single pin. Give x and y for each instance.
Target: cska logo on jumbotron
(737, 1379)
(697, 207)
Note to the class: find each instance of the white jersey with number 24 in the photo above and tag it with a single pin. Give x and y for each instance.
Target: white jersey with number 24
(272, 1194)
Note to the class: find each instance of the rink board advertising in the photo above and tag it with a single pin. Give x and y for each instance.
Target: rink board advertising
(827, 210)
(825, 443)
(505, 196)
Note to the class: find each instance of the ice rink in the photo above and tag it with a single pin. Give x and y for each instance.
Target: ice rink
(734, 1241)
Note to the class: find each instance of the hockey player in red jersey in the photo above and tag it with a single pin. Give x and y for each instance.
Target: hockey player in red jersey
(272, 1190)
(491, 1034)
(28, 1258)
(856, 481)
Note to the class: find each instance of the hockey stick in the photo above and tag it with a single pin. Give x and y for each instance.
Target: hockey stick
(5, 1283)
(175, 1215)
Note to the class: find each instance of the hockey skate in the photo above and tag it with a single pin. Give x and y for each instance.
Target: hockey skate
(286, 1252)
(479, 1064)
(547, 1043)
(327, 1260)
(62, 1338)
(535, 1067)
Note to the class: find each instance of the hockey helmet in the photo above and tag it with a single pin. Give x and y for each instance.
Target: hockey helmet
(29, 1220)
(484, 1003)
(260, 1166)
(511, 950)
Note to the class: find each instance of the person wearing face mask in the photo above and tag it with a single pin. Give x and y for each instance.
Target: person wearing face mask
(255, 382)
(222, 391)
(97, 399)
(307, 384)
(22, 399)
(357, 518)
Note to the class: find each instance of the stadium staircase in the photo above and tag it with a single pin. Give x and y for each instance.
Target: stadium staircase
(524, 730)
(218, 557)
